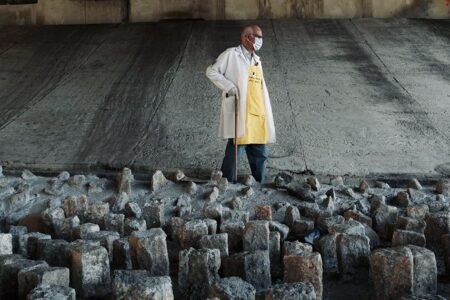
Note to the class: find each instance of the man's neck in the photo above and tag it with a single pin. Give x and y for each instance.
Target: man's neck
(248, 50)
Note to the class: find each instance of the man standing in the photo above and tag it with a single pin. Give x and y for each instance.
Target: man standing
(238, 73)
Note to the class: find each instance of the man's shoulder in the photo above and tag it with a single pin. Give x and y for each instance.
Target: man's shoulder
(231, 51)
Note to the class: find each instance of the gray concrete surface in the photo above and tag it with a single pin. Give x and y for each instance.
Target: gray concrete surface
(355, 97)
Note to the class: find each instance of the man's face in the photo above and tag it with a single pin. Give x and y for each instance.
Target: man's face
(256, 33)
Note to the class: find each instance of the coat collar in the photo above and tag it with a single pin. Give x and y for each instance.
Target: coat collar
(241, 54)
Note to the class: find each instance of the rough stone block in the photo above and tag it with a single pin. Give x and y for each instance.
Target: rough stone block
(77, 180)
(392, 272)
(282, 229)
(96, 213)
(177, 176)
(263, 212)
(363, 186)
(406, 237)
(28, 243)
(54, 292)
(296, 248)
(384, 219)
(16, 232)
(249, 180)
(373, 237)
(223, 184)
(158, 181)
(140, 284)
(191, 188)
(89, 269)
(414, 184)
(437, 224)
(115, 222)
(197, 271)
(357, 216)
(443, 187)
(83, 230)
(215, 241)
(216, 175)
(212, 226)
(125, 180)
(52, 251)
(256, 236)
(132, 210)
(52, 216)
(149, 251)
(410, 224)
(253, 267)
(75, 206)
(106, 239)
(185, 212)
(326, 246)
(248, 192)
(325, 222)
(296, 290)
(122, 255)
(153, 214)
(10, 266)
(31, 277)
(119, 202)
(353, 251)
(212, 195)
(419, 211)
(232, 288)
(302, 227)
(275, 254)
(445, 241)
(6, 243)
(235, 231)
(375, 202)
(213, 211)
(348, 227)
(176, 225)
(192, 232)
(402, 199)
(236, 203)
(313, 182)
(424, 297)
(64, 228)
(235, 216)
(133, 224)
(311, 266)
(425, 271)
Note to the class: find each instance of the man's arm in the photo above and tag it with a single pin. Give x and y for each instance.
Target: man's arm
(216, 71)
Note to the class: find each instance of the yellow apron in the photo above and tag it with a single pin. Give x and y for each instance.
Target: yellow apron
(255, 119)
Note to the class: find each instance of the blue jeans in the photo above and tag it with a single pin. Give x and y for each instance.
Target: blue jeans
(256, 155)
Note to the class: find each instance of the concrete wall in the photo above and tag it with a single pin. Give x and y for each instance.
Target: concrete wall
(115, 11)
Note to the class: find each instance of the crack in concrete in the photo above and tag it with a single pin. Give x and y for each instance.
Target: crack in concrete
(138, 147)
(59, 82)
(289, 98)
(410, 97)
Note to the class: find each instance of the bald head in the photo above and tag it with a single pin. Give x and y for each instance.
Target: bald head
(248, 35)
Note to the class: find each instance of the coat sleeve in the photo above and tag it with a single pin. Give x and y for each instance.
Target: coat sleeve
(216, 71)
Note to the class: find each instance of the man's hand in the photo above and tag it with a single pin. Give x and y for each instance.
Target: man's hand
(232, 92)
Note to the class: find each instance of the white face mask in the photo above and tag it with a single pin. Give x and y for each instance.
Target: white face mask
(258, 43)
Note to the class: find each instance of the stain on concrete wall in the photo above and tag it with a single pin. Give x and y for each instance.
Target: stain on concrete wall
(307, 8)
(116, 11)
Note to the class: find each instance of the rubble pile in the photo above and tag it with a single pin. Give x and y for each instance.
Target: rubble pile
(173, 237)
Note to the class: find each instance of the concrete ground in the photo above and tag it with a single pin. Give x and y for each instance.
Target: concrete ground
(356, 97)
